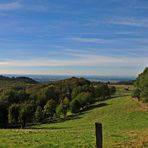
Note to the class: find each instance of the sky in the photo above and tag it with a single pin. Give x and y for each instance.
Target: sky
(79, 37)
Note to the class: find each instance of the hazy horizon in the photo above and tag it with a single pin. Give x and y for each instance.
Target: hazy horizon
(71, 75)
(62, 37)
(47, 78)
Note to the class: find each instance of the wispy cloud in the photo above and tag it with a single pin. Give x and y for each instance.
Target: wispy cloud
(17, 5)
(84, 60)
(35, 7)
(141, 7)
(130, 22)
(89, 40)
(10, 6)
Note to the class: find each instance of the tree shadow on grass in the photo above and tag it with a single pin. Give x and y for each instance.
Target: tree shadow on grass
(60, 120)
(96, 106)
(120, 95)
(70, 117)
(47, 128)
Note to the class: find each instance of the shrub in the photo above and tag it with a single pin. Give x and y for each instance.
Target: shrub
(136, 93)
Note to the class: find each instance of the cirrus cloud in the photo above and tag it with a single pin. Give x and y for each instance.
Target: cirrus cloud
(83, 60)
(10, 6)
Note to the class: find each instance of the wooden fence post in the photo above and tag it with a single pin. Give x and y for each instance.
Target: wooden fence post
(99, 139)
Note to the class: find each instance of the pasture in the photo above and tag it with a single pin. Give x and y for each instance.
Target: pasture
(125, 124)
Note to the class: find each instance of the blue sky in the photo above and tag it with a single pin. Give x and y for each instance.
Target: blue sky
(80, 37)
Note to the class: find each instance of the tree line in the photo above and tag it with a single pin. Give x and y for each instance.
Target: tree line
(47, 102)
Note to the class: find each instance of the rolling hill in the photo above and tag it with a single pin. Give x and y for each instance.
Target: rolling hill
(125, 124)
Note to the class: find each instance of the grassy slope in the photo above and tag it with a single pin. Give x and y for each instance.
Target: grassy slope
(125, 124)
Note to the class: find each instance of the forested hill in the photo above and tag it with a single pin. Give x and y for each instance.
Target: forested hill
(21, 104)
(18, 79)
(73, 81)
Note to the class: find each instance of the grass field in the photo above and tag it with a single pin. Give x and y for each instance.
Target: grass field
(121, 90)
(125, 124)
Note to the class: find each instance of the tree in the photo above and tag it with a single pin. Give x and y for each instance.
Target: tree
(3, 114)
(63, 107)
(144, 94)
(102, 91)
(75, 106)
(44, 94)
(49, 108)
(112, 90)
(26, 113)
(51, 93)
(141, 85)
(13, 113)
(59, 110)
(39, 114)
(22, 95)
(136, 93)
(84, 98)
(10, 96)
(76, 91)
(41, 98)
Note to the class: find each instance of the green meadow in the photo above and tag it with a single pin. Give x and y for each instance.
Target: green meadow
(125, 124)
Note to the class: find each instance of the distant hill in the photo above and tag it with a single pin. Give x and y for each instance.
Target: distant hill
(73, 81)
(69, 82)
(18, 79)
(26, 79)
(123, 82)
